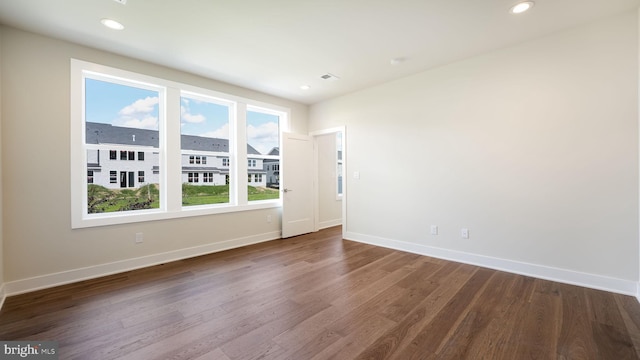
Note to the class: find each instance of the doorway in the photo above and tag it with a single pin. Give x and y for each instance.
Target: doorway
(330, 167)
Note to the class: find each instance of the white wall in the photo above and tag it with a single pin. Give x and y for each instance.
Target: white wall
(534, 148)
(330, 209)
(40, 247)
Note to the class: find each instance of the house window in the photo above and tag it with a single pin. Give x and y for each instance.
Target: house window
(204, 127)
(249, 178)
(263, 146)
(193, 177)
(89, 176)
(133, 121)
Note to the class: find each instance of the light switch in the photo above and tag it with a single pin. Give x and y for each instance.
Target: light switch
(356, 174)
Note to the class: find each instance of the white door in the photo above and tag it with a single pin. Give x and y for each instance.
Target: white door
(297, 185)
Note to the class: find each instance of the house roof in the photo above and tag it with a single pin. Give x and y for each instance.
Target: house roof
(99, 133)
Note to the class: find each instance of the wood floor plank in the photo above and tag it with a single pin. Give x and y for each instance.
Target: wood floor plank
(318, 296)
(405, 331)
(469, 338)
(576, 335)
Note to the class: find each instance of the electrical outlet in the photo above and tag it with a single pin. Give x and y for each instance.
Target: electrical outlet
(268, 218)
(464, 233)
(434, 229)
(139, 238)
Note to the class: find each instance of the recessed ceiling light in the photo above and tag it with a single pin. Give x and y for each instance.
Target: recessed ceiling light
(305, 87)
(112, 24)
(521, 7)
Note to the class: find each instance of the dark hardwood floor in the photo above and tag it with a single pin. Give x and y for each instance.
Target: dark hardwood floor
(320, 297)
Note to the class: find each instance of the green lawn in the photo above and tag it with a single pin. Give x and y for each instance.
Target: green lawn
(204, 194)
(101, 199)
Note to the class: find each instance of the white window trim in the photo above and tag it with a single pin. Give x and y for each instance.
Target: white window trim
(170, 153)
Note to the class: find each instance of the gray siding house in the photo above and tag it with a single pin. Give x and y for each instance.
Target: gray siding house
(133, 159)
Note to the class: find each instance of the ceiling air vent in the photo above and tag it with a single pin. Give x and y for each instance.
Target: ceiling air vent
(328, 76)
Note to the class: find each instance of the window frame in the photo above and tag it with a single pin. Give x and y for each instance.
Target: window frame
(169, 151)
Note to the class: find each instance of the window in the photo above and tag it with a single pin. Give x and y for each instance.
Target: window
(193, 177)
(263, 146)
(117, 111)
(129, 117)
(204, 127)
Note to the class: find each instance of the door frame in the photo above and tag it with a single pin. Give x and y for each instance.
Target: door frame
(316, 189)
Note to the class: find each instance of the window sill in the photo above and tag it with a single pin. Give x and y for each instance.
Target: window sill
(156, 214)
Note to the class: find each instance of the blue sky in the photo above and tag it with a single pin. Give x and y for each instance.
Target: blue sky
(129, 106)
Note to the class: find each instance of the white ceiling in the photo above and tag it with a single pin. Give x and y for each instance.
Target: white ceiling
(275, 46)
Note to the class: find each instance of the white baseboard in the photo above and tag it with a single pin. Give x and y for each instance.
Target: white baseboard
(75, 275)
(593, 281)
(329, 223)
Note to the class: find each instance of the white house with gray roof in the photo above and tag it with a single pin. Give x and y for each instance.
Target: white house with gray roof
(133, 160)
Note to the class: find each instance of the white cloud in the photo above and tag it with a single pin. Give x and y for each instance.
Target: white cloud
(149, 122)
(264, 137)
(141, 106)
(191, 118)
(221, 133)
(139, 115)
